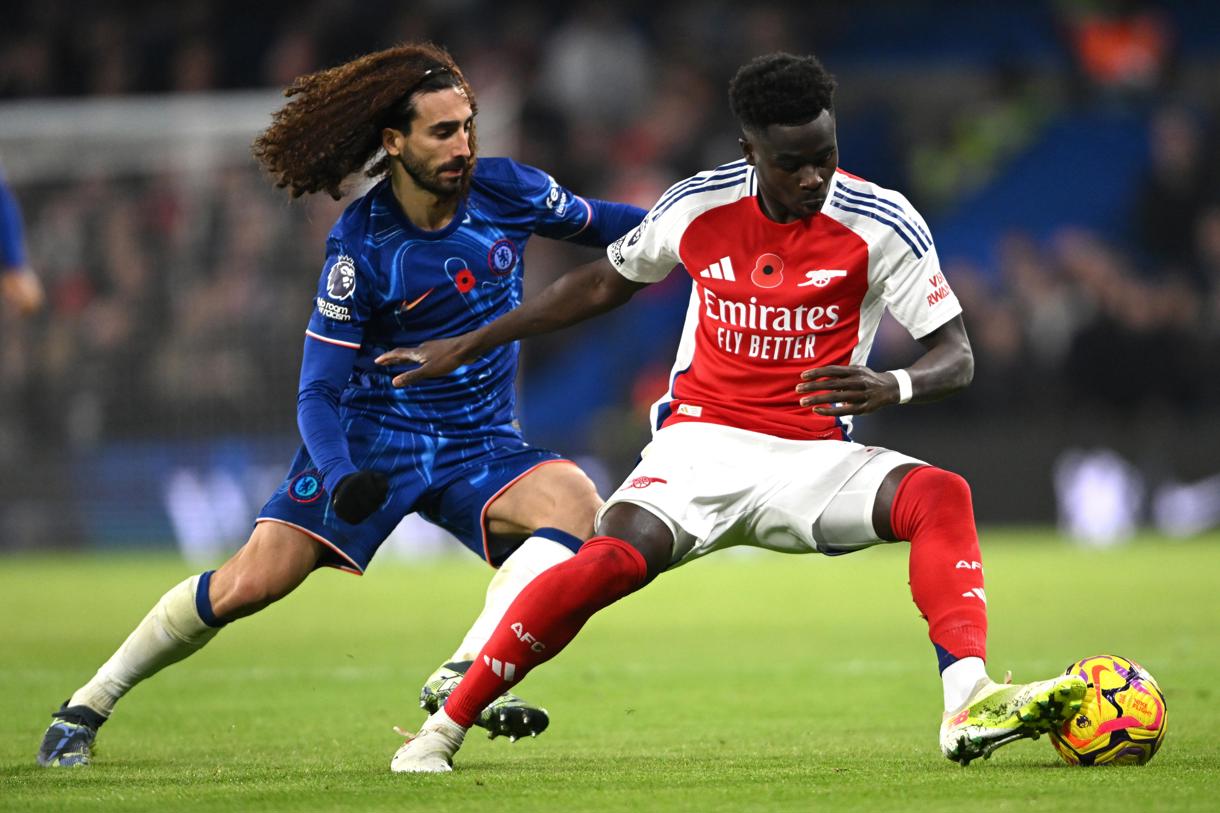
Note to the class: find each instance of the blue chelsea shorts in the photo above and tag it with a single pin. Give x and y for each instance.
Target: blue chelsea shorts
(449, 481)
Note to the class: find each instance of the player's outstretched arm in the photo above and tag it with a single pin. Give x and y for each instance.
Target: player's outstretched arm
(946, 367)
(578, 295)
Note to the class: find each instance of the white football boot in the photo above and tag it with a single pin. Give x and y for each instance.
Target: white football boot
(996, 714)
(431, 750)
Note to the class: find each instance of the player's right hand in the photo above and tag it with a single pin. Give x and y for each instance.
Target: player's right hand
(435, 358)
(846, 390)
(358, 495)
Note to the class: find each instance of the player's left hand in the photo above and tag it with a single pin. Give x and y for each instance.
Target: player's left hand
(435, 358)
(846, 390)
(359, 494)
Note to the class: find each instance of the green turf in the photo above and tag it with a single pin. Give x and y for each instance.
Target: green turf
(738, 683)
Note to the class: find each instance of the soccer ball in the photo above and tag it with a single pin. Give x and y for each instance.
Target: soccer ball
(1122, 718)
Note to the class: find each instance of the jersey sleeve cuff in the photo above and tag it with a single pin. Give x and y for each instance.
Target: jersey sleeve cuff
(332, 340)
(332, 477)
(941, 318)
(588, 218)
(632, 270)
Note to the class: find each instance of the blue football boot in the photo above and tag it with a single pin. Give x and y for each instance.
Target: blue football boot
(69, 739)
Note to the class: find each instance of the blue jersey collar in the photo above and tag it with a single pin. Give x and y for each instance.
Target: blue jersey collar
(386, 193)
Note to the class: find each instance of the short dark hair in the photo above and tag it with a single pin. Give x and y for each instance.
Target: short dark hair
(781, 89)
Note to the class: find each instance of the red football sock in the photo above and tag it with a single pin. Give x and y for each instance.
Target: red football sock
(933, 511)
(544, 617)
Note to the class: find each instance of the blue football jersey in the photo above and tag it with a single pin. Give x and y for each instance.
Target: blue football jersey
(386, 283)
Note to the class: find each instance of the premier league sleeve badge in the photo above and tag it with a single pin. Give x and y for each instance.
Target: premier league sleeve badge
(341, 281)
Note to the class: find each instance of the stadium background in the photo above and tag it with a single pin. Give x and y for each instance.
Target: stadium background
(1065, 154)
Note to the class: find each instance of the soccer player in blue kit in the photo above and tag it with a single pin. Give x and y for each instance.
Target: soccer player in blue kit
(19, 286)
(432, 250)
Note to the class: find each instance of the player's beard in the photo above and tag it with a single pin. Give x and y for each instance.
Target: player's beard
(430, 180)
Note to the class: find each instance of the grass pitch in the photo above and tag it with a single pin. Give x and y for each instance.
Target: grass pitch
(737, 683)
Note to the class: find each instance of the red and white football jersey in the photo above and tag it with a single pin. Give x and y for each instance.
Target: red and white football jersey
(771, 300)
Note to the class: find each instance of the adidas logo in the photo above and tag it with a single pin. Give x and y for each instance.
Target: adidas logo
(973, 592)
(503, 669)
(720, 270)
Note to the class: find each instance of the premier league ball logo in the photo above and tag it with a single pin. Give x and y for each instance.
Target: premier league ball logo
(341, 281)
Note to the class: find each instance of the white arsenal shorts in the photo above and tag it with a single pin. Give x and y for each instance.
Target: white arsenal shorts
(718, 486)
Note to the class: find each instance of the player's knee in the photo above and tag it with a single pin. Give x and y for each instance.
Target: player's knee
(617, 564)
(644, 531)
(929, 495)
(572, 506)
(583, 510)
(945, 488)
(942, 495)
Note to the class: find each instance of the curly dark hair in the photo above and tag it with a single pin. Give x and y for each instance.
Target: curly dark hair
(332, 126)
(780, 89)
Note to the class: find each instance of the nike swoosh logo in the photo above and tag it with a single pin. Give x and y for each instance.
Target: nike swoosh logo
(405, 306)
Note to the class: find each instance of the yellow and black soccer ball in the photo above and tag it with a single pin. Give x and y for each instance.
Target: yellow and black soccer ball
(1122, 718)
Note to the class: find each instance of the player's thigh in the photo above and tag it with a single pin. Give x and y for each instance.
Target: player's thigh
(273, 563)
(856, 514)
(555, 495)
(691, 478)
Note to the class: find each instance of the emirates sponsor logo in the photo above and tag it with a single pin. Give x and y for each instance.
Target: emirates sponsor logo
(750, 314)
(738, 322)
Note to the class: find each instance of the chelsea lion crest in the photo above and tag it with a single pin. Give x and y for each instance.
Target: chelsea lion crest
(502, 258)
(306, 487)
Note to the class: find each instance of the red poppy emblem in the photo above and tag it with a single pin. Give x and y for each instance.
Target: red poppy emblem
(464, 280)
(768, 271)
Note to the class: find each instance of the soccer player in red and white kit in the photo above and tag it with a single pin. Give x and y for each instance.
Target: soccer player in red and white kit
(792, 262)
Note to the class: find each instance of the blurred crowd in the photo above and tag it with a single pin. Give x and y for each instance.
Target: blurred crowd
(1123, 323)
(176, 304)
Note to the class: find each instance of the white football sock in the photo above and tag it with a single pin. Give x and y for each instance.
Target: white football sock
(535, 555)
(171, 631)
(441, 717)
(960, 678)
